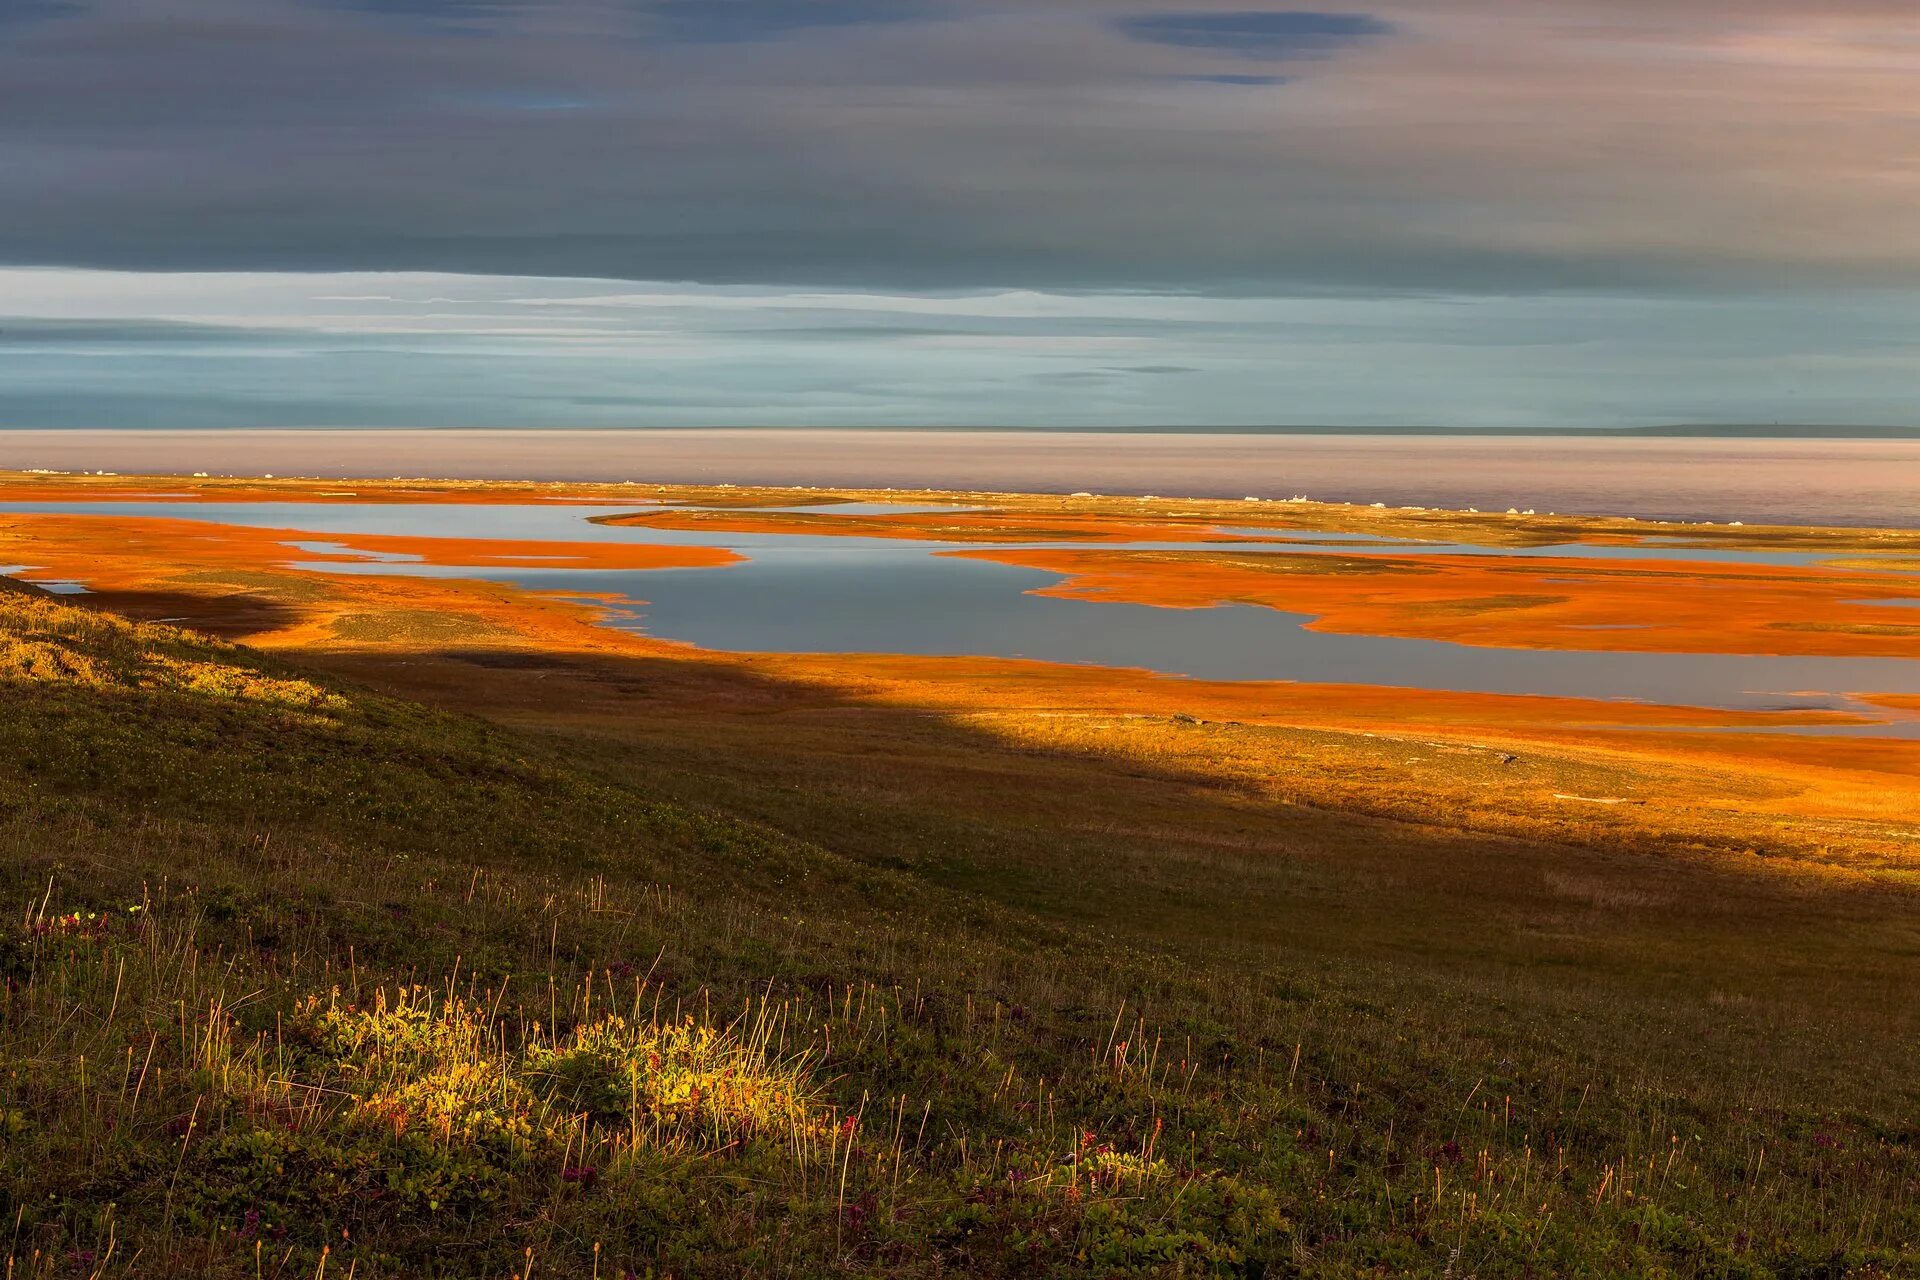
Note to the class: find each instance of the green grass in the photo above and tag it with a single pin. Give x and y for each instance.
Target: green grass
(304, 980)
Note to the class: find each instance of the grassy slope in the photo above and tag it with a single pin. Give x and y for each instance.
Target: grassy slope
(297, 967)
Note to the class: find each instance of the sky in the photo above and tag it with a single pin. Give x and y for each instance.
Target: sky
(1473, 213)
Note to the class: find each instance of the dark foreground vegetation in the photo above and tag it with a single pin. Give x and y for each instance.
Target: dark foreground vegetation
(301, 981)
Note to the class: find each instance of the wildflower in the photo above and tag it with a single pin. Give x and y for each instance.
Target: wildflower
(584, 1175)
(855, 1215)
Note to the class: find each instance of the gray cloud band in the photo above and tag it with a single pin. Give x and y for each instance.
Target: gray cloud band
(1457, 145)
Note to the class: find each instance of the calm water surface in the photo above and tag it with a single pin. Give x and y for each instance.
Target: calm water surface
(1859, 483)
(829, 594)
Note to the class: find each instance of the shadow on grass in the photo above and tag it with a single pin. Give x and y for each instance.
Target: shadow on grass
(236, 616)
(1158, 851)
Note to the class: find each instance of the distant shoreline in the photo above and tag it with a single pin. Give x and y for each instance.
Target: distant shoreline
(1672, 431)
(1850, 482)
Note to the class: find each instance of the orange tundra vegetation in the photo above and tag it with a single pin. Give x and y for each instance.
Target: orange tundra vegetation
(1533, 603)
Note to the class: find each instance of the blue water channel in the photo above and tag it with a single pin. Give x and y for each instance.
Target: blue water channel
(800, 593)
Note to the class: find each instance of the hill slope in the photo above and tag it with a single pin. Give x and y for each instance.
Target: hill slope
(301, 977)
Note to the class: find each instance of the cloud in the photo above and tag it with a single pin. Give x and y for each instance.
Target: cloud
(470, 18)
(1241, 81)
(727, 21)
(460, 11)
(674, 21)
(20, 12)
(1480, 147)
(110, 348)
(31, 336)
(1257, 33)
(929, 208)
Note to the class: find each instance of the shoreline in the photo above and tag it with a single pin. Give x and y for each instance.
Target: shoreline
(752, 502)
(1669, 431)
(1825, 483)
